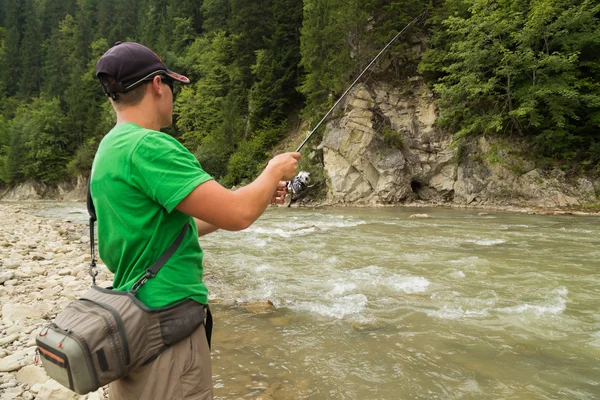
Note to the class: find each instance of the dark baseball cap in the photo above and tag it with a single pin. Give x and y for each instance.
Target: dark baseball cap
(132, 64)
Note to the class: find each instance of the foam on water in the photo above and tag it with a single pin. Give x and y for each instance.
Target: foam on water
(470, 261)
(341, 288)
(537, 309)
(458, 274)
(484, 306)
(293, 229)
(371, 273)
(489, 242)
(408, 284)
(375, 276)
(553, 306)
(456, 313)
(256, 242)
(416, 256)
(262, 268)
(338, 308)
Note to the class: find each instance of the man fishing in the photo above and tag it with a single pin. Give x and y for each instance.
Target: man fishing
(145, 186)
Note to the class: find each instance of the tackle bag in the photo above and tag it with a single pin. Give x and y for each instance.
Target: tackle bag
(106, 334)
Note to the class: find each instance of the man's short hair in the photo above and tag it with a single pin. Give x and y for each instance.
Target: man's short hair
(127, 99)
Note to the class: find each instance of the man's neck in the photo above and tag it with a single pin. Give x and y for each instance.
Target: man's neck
(138, 116)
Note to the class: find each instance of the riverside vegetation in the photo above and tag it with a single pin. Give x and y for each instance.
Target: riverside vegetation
(518, 69)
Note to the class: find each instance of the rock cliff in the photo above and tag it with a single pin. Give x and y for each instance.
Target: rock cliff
(386, 148)
(66, 191)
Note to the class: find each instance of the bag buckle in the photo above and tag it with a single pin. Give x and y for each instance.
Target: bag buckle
(136, 286)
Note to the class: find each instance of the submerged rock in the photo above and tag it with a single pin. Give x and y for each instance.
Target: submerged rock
(259, 307)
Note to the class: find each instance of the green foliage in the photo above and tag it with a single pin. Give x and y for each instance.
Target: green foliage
(520, 67)
(523, 67)
(81, 163)
(250, 156)
(36, 147)
(326, 56)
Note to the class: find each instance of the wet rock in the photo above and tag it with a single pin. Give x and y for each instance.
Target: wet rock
(259, 307)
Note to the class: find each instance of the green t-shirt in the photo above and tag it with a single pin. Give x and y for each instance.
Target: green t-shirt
(138, 178)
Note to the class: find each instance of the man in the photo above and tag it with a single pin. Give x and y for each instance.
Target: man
(145, 186)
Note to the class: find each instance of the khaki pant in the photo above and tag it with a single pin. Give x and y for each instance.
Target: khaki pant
(181, 372)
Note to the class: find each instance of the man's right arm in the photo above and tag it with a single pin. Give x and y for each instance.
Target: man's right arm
(237, 210)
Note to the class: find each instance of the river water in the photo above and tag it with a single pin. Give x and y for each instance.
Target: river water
(373, 304)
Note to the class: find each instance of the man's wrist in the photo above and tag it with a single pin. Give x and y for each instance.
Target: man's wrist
(275, 171)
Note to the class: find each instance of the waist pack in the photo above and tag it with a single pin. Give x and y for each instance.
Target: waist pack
(106, 334)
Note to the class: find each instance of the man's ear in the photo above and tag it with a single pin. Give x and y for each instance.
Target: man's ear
(157, 88)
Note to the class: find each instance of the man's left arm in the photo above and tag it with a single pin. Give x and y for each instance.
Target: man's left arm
(204, 228)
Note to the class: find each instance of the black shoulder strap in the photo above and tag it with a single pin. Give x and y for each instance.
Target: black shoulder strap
(158, 264)
(92, 211)
(150, 272)
(90, 203)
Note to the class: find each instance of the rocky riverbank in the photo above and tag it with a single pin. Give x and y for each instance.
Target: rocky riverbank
(43, 266)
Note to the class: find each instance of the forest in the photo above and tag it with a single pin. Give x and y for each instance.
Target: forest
(528, 69)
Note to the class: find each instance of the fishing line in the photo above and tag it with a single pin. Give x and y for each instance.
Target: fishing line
(300, 183)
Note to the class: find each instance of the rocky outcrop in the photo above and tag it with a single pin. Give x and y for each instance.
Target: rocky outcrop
(387, 149)
(66, 191)
(511, 179)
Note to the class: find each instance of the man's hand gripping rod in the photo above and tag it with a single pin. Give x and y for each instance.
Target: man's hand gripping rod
(300, 182)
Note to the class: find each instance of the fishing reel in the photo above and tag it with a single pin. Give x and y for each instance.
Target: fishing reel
(299, 185)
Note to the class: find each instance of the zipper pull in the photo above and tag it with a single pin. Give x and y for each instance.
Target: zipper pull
(44, 330)
(63, 339)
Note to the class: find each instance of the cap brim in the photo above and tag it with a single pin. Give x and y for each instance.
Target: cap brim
(178, 77)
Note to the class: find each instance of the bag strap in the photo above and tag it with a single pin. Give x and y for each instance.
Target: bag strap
(150, 272)
(158, 264)
(92, 212)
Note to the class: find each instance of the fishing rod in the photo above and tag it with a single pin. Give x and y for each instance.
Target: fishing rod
(300, 183)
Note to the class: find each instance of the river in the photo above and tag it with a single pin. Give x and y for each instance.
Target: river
(374, 304)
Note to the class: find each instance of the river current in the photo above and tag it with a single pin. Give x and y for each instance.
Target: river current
(374, 304)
